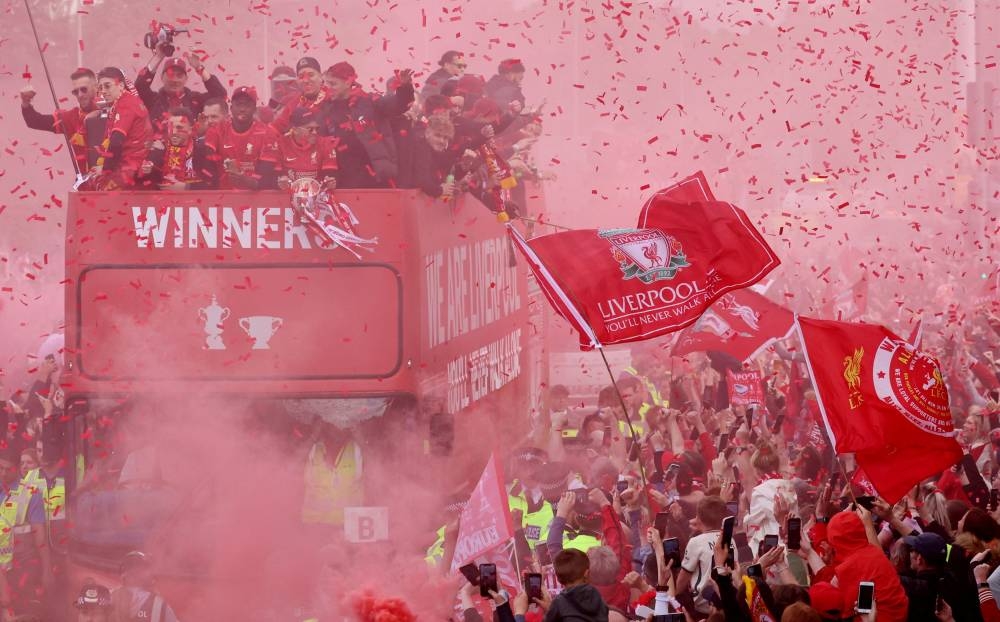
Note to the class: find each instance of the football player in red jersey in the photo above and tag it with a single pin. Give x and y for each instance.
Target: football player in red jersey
(244, 151)
(304, 153)
(178, 162)
(126, 136)
(313, 95)
(68, 122)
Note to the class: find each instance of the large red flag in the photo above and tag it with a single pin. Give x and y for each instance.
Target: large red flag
(882, 400)
(740, 323)
(622, 285)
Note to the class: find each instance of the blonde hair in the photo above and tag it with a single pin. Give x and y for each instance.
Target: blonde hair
(765, 459)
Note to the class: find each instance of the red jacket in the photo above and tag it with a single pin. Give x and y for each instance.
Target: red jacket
(616, 594)
(859, 560)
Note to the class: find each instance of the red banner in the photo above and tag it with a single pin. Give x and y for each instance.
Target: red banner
(740, 323)
(486, 523)
(745, 388)
(623, 285)
(691, 189)
(883, 400)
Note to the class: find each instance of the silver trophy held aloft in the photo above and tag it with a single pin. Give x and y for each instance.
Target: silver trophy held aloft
(333, 220)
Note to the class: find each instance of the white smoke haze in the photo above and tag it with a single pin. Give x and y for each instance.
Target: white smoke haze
(846, 130)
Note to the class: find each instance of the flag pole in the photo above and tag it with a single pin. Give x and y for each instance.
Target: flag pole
(822, 409)
(628, 419)
(52, 90)
(582, 325)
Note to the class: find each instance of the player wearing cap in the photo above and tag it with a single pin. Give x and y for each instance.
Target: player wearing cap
(71, 121)
(304, 153)
(505, 87)
(360, 121)
(128, 131)
(313, 94)
(243, 151)
(174, 92)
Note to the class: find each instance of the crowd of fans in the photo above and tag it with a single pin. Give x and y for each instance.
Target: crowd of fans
(462, 133)
(808, 532)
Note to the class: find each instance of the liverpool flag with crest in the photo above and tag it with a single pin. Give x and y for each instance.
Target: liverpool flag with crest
(623, 285)
(882, 400)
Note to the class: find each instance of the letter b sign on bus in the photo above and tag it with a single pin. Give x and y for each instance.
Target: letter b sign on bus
(366, 524)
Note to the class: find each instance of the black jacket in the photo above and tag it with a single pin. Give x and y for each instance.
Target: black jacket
(434, 82)
(580, 602)
(924, 587)
(366, 154)
(503, 91)
(159, 102)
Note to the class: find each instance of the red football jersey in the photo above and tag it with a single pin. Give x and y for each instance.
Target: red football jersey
(129, 117)
(70, 123)
(259, 143)
(308, 160)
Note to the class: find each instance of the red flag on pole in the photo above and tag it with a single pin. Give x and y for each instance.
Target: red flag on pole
(882, 400)
(740, 323)
(486, 524)
(623, 285)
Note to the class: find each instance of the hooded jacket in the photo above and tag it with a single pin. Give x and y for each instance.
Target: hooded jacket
(859, 560)
(582, 603)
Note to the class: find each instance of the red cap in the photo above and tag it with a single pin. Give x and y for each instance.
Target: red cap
(175, 63)
(826, 599)
(247, 92)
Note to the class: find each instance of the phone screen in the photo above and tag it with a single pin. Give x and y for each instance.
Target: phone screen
(672, 550)
(533, 585)
(471, 573)
(723, 442)
(742, 546)
(487, 579)
(732, 507)
(770, 542)
(866, 596)
(866, 502)
(794, 529)
(755, 571)
(621, 486)
(661, 523)
(728, 523)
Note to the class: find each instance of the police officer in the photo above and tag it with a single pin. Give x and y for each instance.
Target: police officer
(137, 599)
(24, 554)
(93, 604)
(49, 482)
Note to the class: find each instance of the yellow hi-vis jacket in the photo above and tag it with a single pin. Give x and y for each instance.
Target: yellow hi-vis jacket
(331, 488)
(54, 498)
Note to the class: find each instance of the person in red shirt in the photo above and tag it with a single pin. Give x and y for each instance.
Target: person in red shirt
(127, 135)
(304, 153)
(242, 150)
(313, 95)
(178, 162)
(71, 121)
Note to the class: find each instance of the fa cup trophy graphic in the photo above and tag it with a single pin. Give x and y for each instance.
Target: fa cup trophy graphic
(333, 220)
(214, 315)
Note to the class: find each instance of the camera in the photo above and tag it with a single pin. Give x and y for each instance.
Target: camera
(161, 34)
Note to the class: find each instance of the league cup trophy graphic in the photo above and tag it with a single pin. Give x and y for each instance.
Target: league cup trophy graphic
(260, 328)
(214, 315)
(333, 220)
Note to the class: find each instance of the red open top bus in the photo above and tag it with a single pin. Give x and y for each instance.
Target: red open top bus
(181, 303)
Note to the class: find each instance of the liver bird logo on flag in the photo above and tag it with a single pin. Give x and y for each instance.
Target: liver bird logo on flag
(882, 400)
(646, 254)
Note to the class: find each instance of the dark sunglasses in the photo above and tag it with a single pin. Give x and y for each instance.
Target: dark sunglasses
(83, 90)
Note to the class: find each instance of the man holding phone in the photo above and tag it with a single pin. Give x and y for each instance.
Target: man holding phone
(696, 566)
